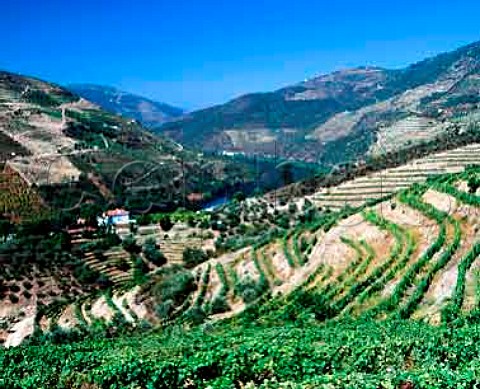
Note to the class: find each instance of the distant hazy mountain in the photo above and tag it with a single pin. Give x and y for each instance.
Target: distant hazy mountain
(347, 114)
(149, 113)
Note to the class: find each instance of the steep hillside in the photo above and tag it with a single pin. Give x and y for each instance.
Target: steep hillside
(148, 112)
(399, 243)
(357, 239)
(369, 277)
(69, 151)
(347, 114)
(383, 293)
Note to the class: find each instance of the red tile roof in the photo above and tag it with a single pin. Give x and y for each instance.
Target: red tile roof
(117, 212)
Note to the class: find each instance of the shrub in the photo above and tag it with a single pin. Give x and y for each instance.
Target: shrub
(191, 221)
(166, 223)
(196, 315)
(15, 288)
(175, 285)
(130, 245)
(27, 285)
(249, 290)
(164, 309)
(144, 220)
(153, 254)
(303, 244)
(140, 270)
(133, 228)
(219, 305)
(193, 257)
(283, 222)
(292, 208)
(13, 298)
(239, 196)
(111, 240)
(123, 265)
(473, 184)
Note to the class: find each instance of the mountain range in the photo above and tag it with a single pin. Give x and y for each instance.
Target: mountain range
(345, 115)
(148, 112)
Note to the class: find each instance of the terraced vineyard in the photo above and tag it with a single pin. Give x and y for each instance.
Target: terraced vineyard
(413, 255)
(113, 264)
(386, 182)
(387, 285)
(171, 244)
(370, 281)
(406, 247)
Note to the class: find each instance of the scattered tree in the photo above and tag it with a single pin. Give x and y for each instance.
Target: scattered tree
(153, 253)
(166, 223)
(193, 257)
(130, 245)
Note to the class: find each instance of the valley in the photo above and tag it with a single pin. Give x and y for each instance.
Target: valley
(325, 235)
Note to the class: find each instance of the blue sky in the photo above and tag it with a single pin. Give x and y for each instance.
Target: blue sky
(197, 53)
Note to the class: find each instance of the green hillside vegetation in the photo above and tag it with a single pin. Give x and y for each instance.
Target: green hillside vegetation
(366, 276)
(366, 354)
(368, 319)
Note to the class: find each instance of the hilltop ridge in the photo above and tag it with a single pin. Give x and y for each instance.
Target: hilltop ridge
(344, 115)
(148, 112)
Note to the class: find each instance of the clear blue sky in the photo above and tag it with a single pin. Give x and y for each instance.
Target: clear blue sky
(194, 53)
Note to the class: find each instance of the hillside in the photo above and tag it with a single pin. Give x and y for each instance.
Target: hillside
(381, 293)
(64, 162)
(148, 112)
(389, 256)
(365, 276)
(67, 151)
(398, 242)
(347, 114)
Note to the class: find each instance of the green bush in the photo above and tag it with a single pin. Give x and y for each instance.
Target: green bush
(140, 270)
(153, 253)
(193, 257)
(250, 290)
(174, 285)
(473, 184)
(196, 315)
(219, 305)
(166, 223)
(13, 298)
(130, 245)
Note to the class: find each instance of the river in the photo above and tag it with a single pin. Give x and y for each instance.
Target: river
(215, 203)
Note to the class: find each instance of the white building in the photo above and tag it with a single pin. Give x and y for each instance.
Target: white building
(115, 217)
